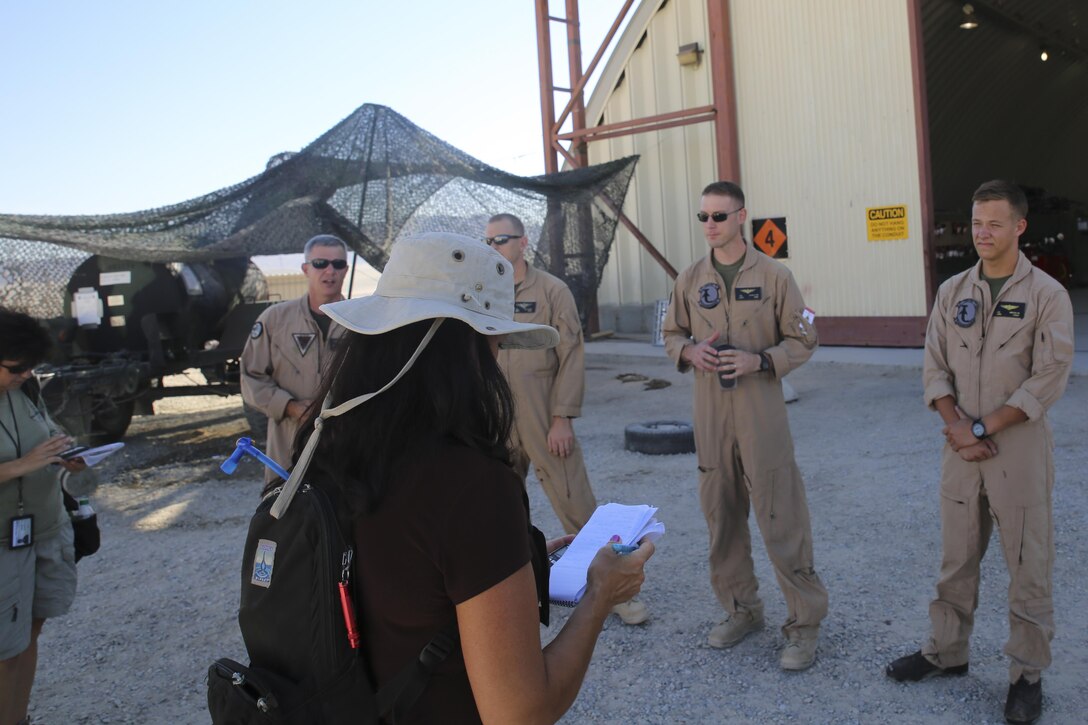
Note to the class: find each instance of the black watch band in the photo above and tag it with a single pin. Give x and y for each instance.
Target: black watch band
(978, 429)
(764, 362)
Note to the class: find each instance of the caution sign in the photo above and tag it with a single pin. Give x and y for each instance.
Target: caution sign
(885, 223)
(769, 236)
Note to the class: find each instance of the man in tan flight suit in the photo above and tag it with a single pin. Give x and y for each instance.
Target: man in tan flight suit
(548, 386)
(737, 295)
(999, 348)
(290, 342)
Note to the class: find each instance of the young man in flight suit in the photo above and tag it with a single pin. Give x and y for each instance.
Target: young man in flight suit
(290, 342)
(548, 386)
(738, 295)
(999, 348)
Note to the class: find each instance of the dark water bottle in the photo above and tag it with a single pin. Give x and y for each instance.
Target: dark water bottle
(727, 383)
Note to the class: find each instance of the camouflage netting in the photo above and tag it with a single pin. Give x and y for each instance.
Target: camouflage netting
(371, 179)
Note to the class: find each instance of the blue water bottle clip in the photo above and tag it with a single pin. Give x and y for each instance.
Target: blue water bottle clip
(245, 446)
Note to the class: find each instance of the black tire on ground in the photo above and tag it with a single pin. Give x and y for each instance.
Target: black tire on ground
(258, 425)
(660, 437)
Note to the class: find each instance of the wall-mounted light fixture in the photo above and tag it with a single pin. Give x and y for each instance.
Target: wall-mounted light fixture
(970, 20)
(1044, 55)
(689, 54)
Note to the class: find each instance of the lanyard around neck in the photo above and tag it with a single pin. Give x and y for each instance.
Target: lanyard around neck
(15, 439)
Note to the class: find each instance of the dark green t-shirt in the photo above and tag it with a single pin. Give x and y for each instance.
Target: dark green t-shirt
(728, 271)
(996, 283)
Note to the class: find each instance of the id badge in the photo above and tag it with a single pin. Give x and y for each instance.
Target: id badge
(22, 531)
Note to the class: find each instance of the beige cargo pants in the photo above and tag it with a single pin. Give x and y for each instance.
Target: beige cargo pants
(564, 479)
(974, 497)
(745, 455)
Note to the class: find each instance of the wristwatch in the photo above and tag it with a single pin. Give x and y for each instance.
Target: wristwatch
(978, 429)
(764, 362)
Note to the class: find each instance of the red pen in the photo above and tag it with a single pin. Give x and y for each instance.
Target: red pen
(349, 615)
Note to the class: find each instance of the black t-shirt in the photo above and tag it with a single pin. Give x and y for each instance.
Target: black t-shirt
(454, 525)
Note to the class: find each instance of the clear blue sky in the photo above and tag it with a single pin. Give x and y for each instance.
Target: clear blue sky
(121, 105)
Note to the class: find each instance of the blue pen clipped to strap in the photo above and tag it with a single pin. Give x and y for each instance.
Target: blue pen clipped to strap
(245, 446)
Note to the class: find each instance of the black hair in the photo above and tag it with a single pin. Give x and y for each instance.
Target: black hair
(455, 392)
(22, 338)
(725, 188)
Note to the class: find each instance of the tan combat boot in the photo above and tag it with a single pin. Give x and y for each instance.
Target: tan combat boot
(734, 629)
(800, 651)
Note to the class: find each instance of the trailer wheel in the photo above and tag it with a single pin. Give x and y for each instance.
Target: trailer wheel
(660, 437)
(110, 420)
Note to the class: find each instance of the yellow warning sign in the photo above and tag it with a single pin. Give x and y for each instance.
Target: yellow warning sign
(885, 223)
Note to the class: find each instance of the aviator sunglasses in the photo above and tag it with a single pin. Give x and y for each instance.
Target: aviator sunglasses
(500, 239)
(320, 263)
(18, 369)
(717, 216)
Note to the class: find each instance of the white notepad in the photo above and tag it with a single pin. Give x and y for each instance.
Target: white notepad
(567, 581)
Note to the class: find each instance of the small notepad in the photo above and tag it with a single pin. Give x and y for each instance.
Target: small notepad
(567, 582)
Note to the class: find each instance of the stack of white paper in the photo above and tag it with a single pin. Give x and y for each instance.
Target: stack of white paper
(631, 523)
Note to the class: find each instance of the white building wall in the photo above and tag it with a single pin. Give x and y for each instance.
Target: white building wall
(826, 120)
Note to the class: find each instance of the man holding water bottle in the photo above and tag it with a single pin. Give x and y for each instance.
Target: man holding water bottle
(737, 317)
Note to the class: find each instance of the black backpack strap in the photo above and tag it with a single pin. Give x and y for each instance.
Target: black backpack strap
(401, 693)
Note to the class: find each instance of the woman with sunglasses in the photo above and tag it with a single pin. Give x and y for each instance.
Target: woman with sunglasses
(414, 432)
(37, 561)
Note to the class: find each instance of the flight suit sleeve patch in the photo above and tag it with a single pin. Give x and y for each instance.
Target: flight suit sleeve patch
(966, 312)
(710, 295)
(524, 307)
(744, 294)
(1011, 309)
(257, 331)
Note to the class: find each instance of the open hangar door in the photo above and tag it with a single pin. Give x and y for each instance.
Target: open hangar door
(1008, 98)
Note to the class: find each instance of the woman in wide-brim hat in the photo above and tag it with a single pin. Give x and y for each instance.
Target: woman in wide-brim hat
(414, 431)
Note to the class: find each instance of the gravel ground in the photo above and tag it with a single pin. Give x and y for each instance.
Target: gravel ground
(157, 604)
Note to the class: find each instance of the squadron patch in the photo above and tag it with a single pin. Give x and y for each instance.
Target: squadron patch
(257, 330)
(1011, 309)
(524, 307)
(966, 312)
(743, 294)
(710, 295)
(303, 340)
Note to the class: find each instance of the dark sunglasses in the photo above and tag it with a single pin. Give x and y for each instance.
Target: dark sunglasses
(320, 263)
(18, 369)
(718, 216)
(500, 239)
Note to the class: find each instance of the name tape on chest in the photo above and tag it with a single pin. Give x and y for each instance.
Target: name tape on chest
(524, 307)
(1016, 310)
(744, 294)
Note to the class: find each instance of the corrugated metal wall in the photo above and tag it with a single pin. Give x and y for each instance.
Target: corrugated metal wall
(826, 118)
(675, 163)
(827, 128)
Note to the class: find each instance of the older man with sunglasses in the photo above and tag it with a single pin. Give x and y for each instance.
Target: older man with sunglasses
(737, 317)
(548, 386)
(281, 363)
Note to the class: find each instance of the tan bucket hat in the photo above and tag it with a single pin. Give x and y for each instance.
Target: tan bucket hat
(432, 276)
(443, 275)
